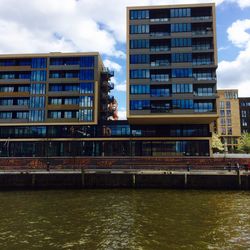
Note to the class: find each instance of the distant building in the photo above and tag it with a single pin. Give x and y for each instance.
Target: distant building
(228, 123)
(245, 114)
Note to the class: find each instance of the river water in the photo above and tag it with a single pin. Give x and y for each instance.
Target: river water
(124, 219)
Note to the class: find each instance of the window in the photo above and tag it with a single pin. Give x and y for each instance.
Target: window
(203, 107)
(86, 115)
(140, 74)
(23, 101)
(55, 101)
(71, 101)
(37, 88)
(139, 44)
(243, 113)
(181, 73)
(159, 77)
(6, 102)
(56, 88)
(204, 91)
(55, 114)
(223, 130)
(158, 92)
(139, 89)
(231, 94)
(6, 89)
(185, 12)
(87, 61)
(38, 75)
(222, 121)
(87, 88)
(222, 112)
(181, 42)
(181, 27)
(86, 101)
(229, 122)
(139, 29)
(38, 63)
(183, 104)
(68, 114)
(228, 105)
(139, 104)
(5, 115)
(139, 59)
(182, 88)
(24, 88)
(199, 76)
(37, 102)
(22, 115)
(228, 112)
(87, 74)
(36, 115)
(181, 57)
(244, 122)
(139, 14)
(222, 105)
(229, 131)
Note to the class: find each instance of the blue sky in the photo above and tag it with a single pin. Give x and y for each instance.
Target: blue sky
(33, 26)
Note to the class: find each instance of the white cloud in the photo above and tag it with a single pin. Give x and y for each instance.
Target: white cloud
(70, 25)
(122, 114)
(121, 87)
(112, 65)
(236, 73)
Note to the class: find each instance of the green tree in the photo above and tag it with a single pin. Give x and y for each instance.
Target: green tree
(244, 143)
(216, 143)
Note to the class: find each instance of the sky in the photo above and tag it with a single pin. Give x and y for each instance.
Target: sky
(38, 26)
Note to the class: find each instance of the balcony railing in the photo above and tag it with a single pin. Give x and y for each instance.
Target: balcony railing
(202, 47)
(202, 32)
(160, 63)
(202, 18)
(159, 48)
(164, 19)
(159, 34)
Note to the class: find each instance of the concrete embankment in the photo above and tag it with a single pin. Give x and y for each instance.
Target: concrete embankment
(223, 180)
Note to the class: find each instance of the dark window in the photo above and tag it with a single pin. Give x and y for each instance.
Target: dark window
(139, 44)
(139, 59)
(87, 74)
(139, 29)
(181, 73)
(181, 42)
(139, 89)
(139, 74)
(38, 63)
(139, 104)
(182, 88)
(181, 57)
(139, 14)
(181, 27)
(87, 61)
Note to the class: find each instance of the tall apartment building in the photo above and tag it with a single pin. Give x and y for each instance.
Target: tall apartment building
(228, 123)
(171, 65)
(245, 114)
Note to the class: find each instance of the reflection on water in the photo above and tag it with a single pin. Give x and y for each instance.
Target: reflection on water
(124, 219)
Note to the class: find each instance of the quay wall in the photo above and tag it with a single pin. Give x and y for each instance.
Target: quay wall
(82, 180)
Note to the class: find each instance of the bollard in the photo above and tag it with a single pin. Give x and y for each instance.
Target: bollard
(134, 180)
(83, 177)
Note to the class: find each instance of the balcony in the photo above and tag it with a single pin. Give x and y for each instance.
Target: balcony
(202, 18)
(158, 20)
(159, 48)
(160, 63)
(107, 72)
(159, 34)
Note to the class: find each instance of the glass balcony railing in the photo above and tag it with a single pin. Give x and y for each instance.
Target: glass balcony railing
(159, 34)
(159, 63)
(203, 62)
(202, 32)
(202, 18)
(202, 47)
(164, 19)
(159, 48)
(160, 78)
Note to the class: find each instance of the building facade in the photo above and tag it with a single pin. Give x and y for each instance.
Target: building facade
(171, 65)
(228, 123)
(58, 104)
(245, 114)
